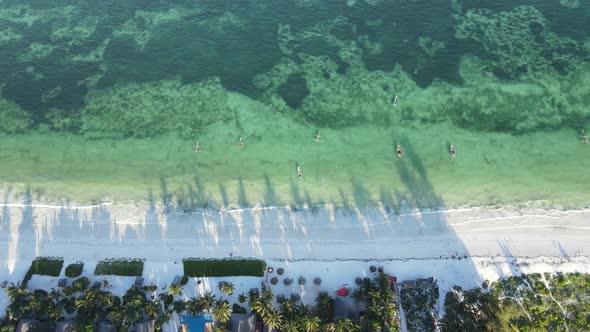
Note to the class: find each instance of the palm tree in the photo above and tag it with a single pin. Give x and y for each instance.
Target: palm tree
(242, 298)
(222, 312)
(207, 301)
(258, 307)
(330, 327)
(152, 308)
(289, 327)
(267, 296)
(253, 298)
(382, 281)
(324, 307)
(38, 304)
(228, 288)
(118, 317)
(273, 319)
(344, 325)
(302, 310)
(175, 290)
(311, 324)
(16, 292)
(55, 307)
(162, 319)
(106, 284)
(179, 306)
(193, 306)
(80, 285)
(288, 308)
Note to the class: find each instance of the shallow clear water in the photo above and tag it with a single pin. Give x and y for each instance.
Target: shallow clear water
(106, 99)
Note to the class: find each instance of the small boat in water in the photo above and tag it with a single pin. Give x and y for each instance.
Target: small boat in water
(318, 137)
(452, 151)
(299, 174)
(399, 151)
(584, 138)
(395, 101)
(197, 147)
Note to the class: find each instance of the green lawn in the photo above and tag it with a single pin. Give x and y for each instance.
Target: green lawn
(74, 270)
(194, 267)
(127, 268)
(45, 266)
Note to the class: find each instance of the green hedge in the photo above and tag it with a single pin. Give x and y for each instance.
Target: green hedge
(74, 270)
(127, 268)
(195, 267)
(45, 266)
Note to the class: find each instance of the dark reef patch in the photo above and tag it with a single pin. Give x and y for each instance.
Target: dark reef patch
(294, 90)
(573, 23)
(194, 52)
(403, 24)
(237, 40)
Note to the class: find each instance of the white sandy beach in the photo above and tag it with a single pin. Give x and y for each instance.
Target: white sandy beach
(458, 246)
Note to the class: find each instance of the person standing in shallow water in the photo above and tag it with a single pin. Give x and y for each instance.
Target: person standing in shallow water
(299, 174)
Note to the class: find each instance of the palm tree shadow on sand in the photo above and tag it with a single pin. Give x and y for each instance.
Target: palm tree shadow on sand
(419, 215)
(22, 237)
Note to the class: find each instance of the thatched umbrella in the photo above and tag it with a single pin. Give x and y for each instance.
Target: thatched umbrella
(274, 280)
(358, 280)
(280, 271)
(301, 280)
(373, 268)
(287, 281)
(317, 281)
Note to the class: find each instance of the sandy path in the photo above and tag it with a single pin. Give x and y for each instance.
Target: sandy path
(327, 234)
(457, 247)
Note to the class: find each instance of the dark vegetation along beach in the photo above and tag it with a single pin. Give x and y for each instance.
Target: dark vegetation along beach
(105, 100)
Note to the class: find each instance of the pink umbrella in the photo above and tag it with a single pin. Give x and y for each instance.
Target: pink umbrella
(342, 291)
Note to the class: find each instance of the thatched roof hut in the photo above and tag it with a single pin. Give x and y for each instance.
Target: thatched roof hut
(105, 326)
(64, 326)
(145, 326)
(243, 322)
(27, 325)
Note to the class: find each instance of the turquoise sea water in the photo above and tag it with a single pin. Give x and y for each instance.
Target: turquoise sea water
(142, 81)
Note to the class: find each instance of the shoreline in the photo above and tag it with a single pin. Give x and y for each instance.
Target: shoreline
(458, 246)
(339, 171)
(143, 224)
(544, 205)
